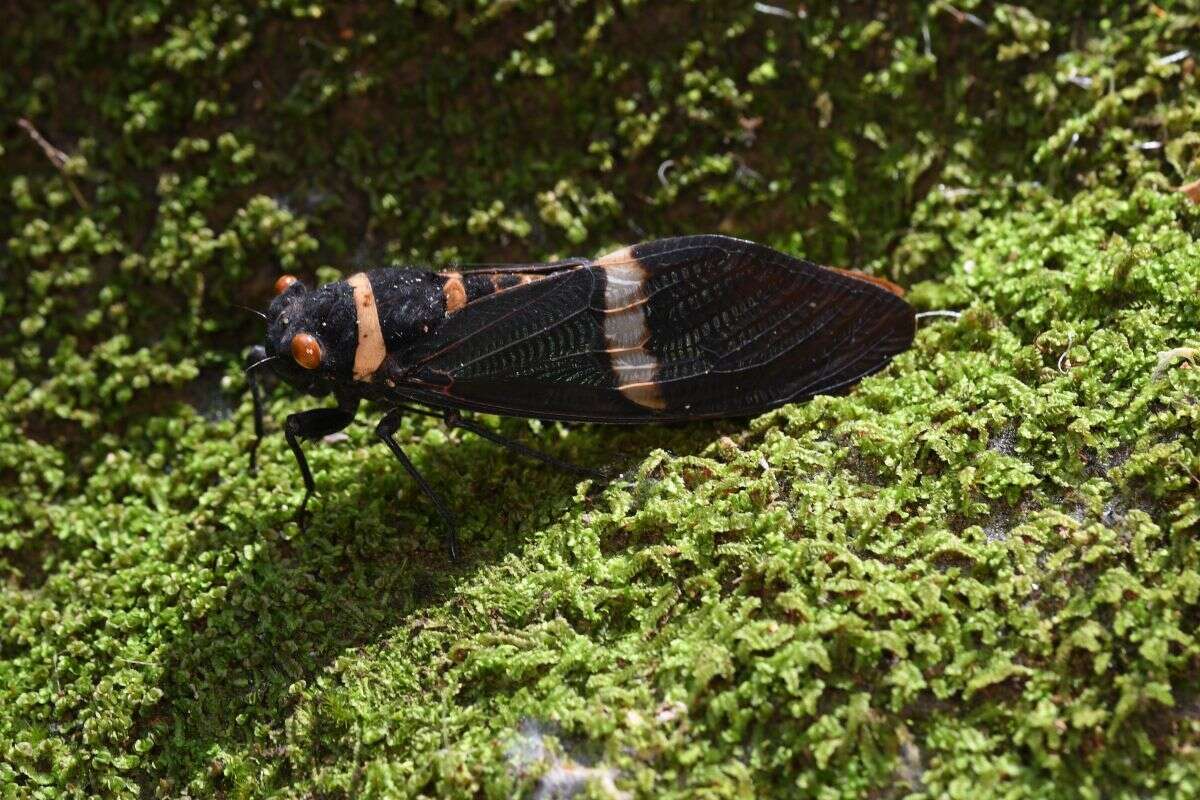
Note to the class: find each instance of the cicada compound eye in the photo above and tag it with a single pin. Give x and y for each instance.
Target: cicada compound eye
(284, 283)
(306, 350)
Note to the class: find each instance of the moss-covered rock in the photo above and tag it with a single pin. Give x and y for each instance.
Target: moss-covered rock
(976, 575)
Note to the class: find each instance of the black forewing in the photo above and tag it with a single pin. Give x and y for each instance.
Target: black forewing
(733, 328)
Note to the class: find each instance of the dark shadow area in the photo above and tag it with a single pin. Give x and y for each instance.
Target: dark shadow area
(372, 556)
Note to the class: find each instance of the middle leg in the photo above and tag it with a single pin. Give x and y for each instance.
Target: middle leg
(386, 430)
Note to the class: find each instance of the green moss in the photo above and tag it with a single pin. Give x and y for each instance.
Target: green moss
(976, 575)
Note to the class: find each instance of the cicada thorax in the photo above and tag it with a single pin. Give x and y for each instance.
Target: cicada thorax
(391, 308)
(395, 307)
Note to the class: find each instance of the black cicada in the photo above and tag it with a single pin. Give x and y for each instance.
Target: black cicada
(678, 329)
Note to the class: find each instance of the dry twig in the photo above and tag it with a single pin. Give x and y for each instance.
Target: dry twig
(57, 157)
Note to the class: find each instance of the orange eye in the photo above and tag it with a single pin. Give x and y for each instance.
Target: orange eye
(284, 283)
(306, 350)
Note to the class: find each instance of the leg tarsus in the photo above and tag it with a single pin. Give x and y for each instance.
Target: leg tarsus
(386, 430)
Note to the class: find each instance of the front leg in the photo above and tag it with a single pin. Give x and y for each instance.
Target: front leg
(312, 425)
(255, 359)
